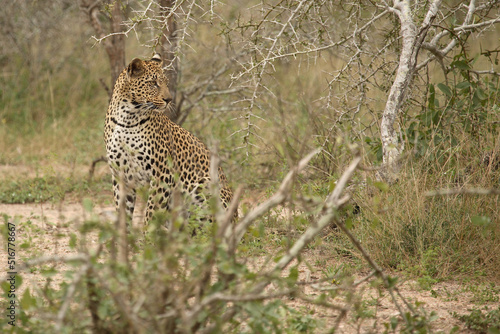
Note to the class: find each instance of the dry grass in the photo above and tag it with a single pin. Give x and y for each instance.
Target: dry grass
(438, 236)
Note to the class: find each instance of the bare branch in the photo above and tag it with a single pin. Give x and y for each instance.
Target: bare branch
(464, 27)
(333, 202)
(279, 197)
(397, 95)
(61, 315)
(461, 191)
(486, 72)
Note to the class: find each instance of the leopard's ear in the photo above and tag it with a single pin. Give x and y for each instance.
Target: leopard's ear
(157, 58)
(135, 68)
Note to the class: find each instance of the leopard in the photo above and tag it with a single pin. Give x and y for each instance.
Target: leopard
(147, 150)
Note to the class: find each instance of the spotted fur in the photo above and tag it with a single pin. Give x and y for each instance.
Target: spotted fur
(146, 149)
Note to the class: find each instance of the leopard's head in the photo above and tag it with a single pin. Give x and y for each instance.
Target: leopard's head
(145, 84)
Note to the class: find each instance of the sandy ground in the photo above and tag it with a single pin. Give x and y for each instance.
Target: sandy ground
(51, 226)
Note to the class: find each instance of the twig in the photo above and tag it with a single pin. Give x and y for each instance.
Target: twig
(320, 302)
(378, 271)
(279, 197)
(333, 202)
(229, 217)
(94, 163)
(69, 295)
(486, 72)
(356, 283)
(455, 191)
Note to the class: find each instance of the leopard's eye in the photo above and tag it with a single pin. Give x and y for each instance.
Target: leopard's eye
(154, 84)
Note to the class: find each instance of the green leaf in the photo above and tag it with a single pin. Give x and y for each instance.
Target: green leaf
(481, 220)
(5, 287)
(480, 94)
(394, 323)
(255, 232)
(349, 223)
(280, 149)
(332, 185)
(445, 89)
(27, 301)
(461, 64)
(381, 185)
(87, 204)
(463, 85)
(432, 97)
(391, 281)
(19, 281)
(294, 274)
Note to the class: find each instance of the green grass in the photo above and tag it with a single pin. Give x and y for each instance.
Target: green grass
(481, 320)
(36, 190)
(484, 293)
(52, 188)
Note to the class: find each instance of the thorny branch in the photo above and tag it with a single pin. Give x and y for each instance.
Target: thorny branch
(333, 202)
(279, 197)
(440, 53)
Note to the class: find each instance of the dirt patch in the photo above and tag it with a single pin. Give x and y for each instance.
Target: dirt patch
(444, 299)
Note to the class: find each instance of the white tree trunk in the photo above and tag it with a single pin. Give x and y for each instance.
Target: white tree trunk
(412, 40)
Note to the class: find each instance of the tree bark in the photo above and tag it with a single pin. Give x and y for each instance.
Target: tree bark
(114, 44)
(169, 43)
(412, 41)
(390, 143)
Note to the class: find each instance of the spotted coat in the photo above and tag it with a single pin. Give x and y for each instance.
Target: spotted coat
(146, 149)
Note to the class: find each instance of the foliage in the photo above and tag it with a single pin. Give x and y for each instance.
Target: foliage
(174, 282)
(466, 111)
(429, 236)
(48, 188)
(484, 293)
(482, 322)
(183, 279)
(31, 190)
(454, 143)
(414, 323)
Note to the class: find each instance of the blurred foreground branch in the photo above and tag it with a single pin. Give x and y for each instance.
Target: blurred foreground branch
(205, 286)
(462, 191)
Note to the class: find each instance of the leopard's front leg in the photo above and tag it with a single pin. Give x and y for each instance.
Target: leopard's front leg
(159, 198)
(130, 196)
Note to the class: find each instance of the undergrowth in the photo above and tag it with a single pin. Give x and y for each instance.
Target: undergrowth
(434, 236)
(481, 320)
(53, 188)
